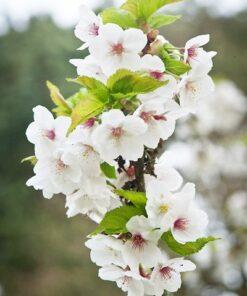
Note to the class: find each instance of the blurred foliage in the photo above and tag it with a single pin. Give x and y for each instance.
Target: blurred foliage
(41, 252)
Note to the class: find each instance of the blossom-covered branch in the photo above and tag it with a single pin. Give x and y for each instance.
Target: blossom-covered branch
(105, 149)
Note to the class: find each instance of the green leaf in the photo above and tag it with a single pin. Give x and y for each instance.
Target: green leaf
(62, 106)
(188, 248)
(88, 107)
(94, 86)
(127, 83)
(108, 170)
(121, 17)
(139, 199)
(158, 20)
(176, 67)
(131, 6)
(143, 9)
(115, 221)
(32, 159)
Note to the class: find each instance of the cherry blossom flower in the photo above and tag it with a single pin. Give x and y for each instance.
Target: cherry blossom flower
(89, 67)
(54, 175)
(45, 132)
(162, 205)
(190, 225)
(160, 120)
(93, 199)
(119, 135)
(197, 57)
(115, 48)
(106, 250)
(142, 247)
(124, 278)
(166, 275)
(194, 88)
(88, 27)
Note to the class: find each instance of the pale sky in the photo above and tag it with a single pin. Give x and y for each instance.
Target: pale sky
(65, 12)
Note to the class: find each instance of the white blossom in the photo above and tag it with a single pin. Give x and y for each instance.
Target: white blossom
(45, 132)
(194, 88)
(197, 57)
(160, 120)
(116, 48)
(88, 27)
(142, 247)
(93, 199)
(54, 175)
(89, 67)
(166, 275)
(124, 279)
(119, 135)
(106, 250)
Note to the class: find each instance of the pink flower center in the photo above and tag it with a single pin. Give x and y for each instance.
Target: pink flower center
(160, 117)
(181, 224)
(148, 116)
(192, 52)
(157, 75)
(90, 122)
(117, 49)
(166, 272)
(117, 132)
(94, 30)
(50, 134)
(138, 241)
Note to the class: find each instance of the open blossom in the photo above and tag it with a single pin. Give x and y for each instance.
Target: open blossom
(194, 88)
(88, 27)
(189, 225)
(45, 132)
(54, 175)
(106, 250)
(166, 275)
(89, 67)
(199, 60)
(142, 247)
(161, 205)
(160, 120)
(93, 199)
(119, 135)
(115, 48)
(79, 144)
(124, 278)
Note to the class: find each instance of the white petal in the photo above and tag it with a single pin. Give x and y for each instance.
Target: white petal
(152, 63)
(198, 41)
(111, 273)
(134, 125)
(134, 40)
(113, 117)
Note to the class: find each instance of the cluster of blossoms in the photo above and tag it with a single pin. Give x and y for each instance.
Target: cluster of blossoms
(103, 151)
(217, 149)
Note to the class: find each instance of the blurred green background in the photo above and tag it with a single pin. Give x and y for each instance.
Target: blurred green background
(41, 252)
